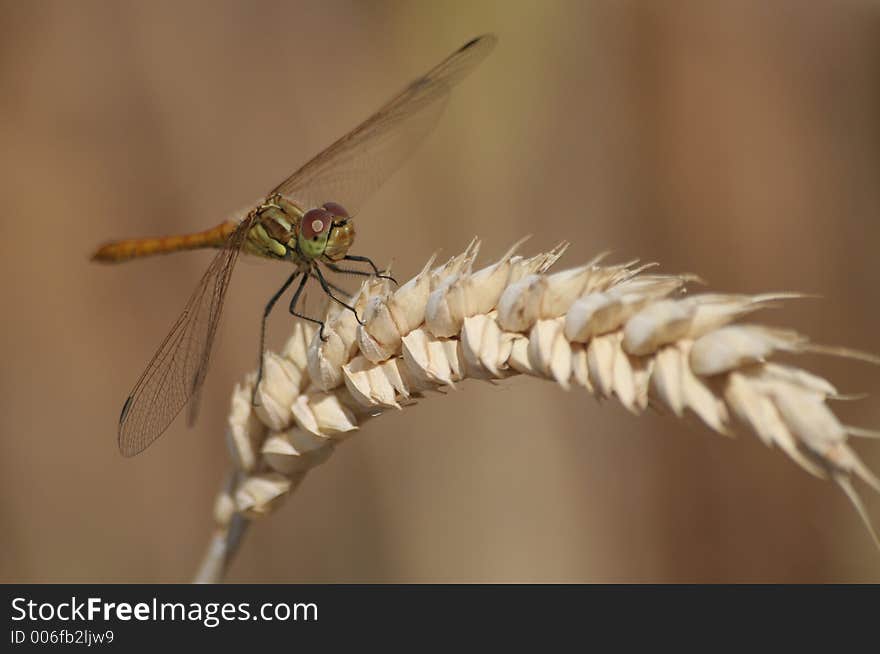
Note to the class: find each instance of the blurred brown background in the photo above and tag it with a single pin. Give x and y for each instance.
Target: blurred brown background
(737, 140)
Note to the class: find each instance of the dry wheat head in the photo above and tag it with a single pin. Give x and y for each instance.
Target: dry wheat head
(613, 330)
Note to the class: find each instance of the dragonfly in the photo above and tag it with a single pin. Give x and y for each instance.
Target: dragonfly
(307, 221)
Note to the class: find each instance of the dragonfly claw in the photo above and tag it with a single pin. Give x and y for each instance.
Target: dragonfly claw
(388, 277)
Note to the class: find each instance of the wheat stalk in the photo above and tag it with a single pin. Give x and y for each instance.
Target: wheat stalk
(614, 330)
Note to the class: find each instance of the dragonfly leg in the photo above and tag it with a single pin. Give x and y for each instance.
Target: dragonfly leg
(266, 312)
(338, 289)
(352, 271)
(347, 271)
(355, 257)
(329, 292)
(294, 312)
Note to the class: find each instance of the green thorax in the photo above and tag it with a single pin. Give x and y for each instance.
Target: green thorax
(274, 236)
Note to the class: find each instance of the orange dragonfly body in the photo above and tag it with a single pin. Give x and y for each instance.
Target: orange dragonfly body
(307, 220)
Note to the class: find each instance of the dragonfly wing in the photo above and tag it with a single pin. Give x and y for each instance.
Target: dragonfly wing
(356, 165)
(178, 369)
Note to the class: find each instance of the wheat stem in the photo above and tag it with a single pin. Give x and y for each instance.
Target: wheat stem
(614, 330)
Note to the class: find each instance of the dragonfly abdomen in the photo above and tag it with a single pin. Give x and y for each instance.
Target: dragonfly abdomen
(132, 248)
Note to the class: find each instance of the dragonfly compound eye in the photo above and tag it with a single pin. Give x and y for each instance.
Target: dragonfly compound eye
(316, 224)
(336, 209)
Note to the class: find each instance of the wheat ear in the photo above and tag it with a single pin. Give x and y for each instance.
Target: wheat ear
(614, 330)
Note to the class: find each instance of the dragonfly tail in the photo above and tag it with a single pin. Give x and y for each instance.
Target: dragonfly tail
(133, 248)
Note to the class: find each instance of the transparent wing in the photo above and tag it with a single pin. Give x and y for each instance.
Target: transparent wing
(356, 165)
(178, 369)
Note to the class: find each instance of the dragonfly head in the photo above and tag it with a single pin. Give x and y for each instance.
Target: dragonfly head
(327, 231)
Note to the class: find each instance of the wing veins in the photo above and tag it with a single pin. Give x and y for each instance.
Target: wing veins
(177, 370)
(348, 157)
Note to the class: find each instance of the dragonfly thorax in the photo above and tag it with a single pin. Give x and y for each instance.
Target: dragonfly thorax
(285, 231)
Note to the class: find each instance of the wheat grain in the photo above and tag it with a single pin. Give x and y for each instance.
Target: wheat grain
(613, 330)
